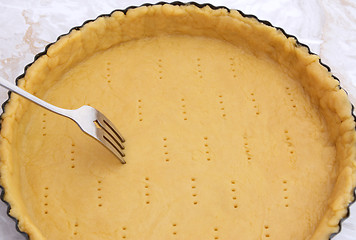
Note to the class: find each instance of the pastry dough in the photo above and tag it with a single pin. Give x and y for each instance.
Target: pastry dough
(233, 131)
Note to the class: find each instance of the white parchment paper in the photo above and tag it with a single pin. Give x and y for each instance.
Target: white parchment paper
(327, 26)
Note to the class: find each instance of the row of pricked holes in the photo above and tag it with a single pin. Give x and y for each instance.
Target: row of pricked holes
(289, 142)
(72, 155)
(165, 147)
(140, 110)
(46, 200)
(194, 192)
(184, 111)
(44, 133)
(233, 67)
(160, 71)
(234, 193)
(108, 74)
(291, 99)
(253, 99)
(100, 204)
(199, 68)
(147, 191)
(247, 149)
(285, 191)
(222, 108)
(207, 151)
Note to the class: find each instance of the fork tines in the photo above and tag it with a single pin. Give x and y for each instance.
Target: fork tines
(111, 137)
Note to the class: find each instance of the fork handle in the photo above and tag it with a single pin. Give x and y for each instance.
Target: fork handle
(13, 88)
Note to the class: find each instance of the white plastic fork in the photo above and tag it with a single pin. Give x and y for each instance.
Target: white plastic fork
(90, 120)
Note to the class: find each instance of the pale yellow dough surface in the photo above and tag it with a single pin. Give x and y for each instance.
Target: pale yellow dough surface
(226, 139)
